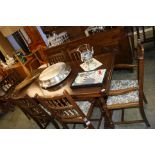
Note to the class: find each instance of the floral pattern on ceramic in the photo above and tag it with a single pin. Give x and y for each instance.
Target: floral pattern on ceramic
(125, 98)
(84, 106)
(123, 84)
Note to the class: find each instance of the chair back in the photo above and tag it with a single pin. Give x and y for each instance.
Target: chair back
(64, 108)
(59, 57)
(142, 34)
(139, 57)
(140, 73)
(33, 110)
(3, 73)
(75, 54)
(6, 105)
(10, 81)
(37, 54)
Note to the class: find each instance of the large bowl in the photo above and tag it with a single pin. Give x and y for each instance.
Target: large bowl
(54, 74)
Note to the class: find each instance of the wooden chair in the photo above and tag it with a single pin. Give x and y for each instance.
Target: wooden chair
(3, 73)
(8, 84)
(6, 105)
(67, 111)
(59, 57)
(143, 34)
(35, 111)
(75, 54)
(129, 93)
(37, 61)
(33, 65)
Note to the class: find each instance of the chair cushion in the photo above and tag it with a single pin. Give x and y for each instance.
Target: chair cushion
(125, 98)
(123, 84)
(84, 106)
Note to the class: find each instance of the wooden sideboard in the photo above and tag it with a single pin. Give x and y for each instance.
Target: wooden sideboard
(112, 39)
(74, 32)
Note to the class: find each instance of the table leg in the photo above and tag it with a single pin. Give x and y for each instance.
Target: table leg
(108, 124)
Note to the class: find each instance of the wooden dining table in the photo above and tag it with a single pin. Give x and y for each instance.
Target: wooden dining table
(85, 93)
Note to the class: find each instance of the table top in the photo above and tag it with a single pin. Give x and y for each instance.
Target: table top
(79, 93)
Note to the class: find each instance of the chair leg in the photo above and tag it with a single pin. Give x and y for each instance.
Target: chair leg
(108, 123)
(55, 124)
(108, 120)
(145, 100)
(74, 126)
(110, 114)
(26, 114)
(153, 34)
(100, 120)
(90, 126)
(144, 116)
(65, 126)
(122, 117)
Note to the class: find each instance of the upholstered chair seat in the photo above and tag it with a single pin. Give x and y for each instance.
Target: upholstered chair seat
(131, 97)
(123, 84)
(84, 106)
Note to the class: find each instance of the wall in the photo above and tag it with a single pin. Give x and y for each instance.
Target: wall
(8, 30)
(6, 46)
(2, 50)
(13, 43)
(43, 35)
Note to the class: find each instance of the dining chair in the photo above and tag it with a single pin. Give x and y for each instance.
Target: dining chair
(35, 111)
(36, 61)
(55, 58)
(126, 94)
(39, 53)
(7, 86)
(8, 83)
(141, 34)
(3, 73)
(144, 33)
(75, 54)
(6, 105)
(67, 111)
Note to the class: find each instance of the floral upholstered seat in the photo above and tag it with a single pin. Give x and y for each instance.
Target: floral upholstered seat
(123, 84)
(124, 98)
(84, 106)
